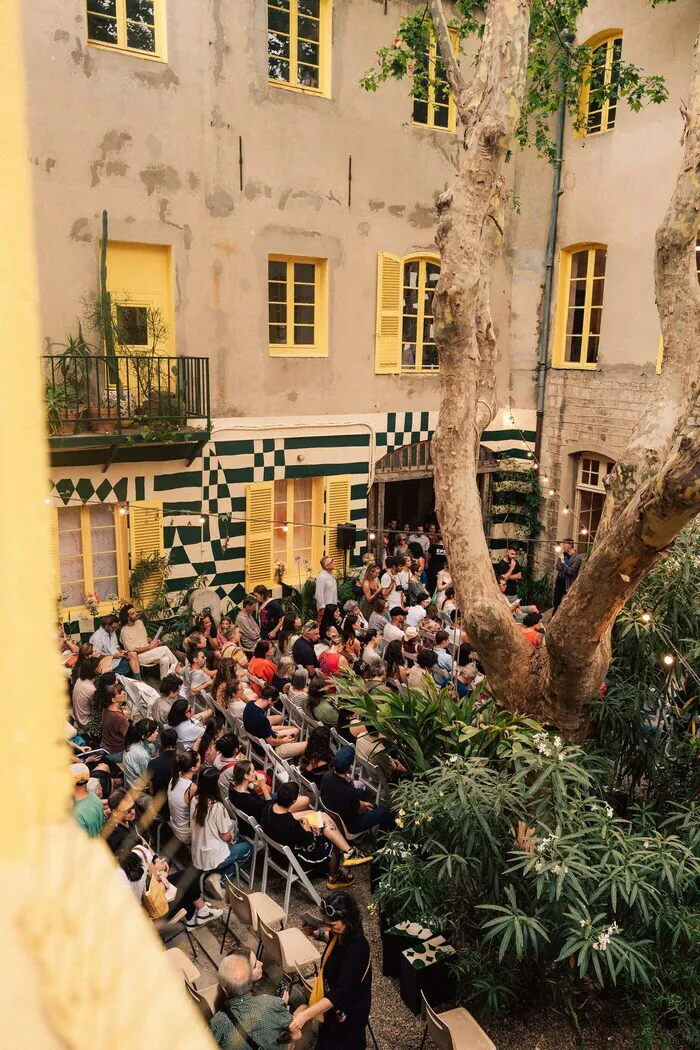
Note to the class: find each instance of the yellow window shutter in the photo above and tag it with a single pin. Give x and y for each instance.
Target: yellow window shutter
(259, 512)
(55, 561)
(337, 513)
(146, 539)
(387, 353)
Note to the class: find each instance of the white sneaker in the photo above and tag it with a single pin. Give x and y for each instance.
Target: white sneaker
(203, 916)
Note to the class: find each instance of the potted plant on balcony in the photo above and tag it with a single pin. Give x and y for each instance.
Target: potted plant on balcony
(66, 388)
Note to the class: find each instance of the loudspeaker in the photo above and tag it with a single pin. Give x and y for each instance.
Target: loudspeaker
(347, 536)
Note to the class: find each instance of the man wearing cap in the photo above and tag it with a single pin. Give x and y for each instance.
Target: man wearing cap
(87, 809)
(340, 796)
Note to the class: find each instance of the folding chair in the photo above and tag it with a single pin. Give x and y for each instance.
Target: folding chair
(306, 787)
(249, 908)
(373, 776)
(290, 949)
(453, 1030)
(205, 999)
(139, 696)
(244, 820)
(349, 835)
(292, 712)
(169, 929)
(275, 856)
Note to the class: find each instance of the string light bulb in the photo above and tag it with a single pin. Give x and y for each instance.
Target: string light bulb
(285, 527)
(565, 510)
(47, 501)
(529, 454)
(122, 510)
(372, 536)
(669, 660)
(584, 531)
(557, 549)
(646, 617)
(551, 492)
(202, 519)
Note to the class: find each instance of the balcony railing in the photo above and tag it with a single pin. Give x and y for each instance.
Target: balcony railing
(120, 393)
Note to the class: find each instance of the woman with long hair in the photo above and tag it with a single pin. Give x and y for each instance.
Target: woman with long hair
(319, 706)
(214, 729)
(346, 973)
(316, 760)
(248, 792)
(396, 670)
(215, 843)
(232, 649)
(83, 692)
(181, 791)
(139, 748)
(188, 727)
(206, 627)
(380, 617)
(224, 623)
(260, 665)
(114, 717)
(332, 662)
(370, 590)
(351, 646)
(331, 618)
(288, 634)
(371, 644)
(225, 676)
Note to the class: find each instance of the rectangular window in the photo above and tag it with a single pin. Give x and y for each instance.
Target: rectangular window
(137, 26)
(297, 307)
(91, 554)
(590, 498)
(298, 44)
(284, 530)
(601, 108)
(433, 105)
(579, 307)
(418, 350)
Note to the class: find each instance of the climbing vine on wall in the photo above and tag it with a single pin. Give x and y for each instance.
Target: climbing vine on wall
(517, 500)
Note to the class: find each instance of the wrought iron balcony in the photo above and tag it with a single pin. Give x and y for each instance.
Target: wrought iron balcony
(125, 399)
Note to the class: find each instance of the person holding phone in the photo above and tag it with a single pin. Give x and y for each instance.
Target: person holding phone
(342, 996)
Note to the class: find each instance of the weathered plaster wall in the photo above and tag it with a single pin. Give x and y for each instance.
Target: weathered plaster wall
(158, 146)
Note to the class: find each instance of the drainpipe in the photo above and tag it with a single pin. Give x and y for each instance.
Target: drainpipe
(549, 268)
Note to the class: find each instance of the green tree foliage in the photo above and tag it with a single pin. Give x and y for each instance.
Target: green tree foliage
(558, 69)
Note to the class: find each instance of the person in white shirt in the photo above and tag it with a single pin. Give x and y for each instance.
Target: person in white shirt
(419, 536)
(215, 843)
(107, 644)
(417, 612)
(394, 629)
(134, 639)
(403, 573)
(388, 584)
(181, 791)
(443, 670)
(326, 592)
(197, 678)
(189, 730)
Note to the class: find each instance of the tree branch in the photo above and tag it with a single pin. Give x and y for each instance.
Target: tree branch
(678, 301)
(446, 51)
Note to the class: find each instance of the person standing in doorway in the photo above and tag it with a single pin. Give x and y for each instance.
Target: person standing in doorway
(568, 569)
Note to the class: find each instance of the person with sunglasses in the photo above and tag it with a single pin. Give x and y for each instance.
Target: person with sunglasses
(343, 994)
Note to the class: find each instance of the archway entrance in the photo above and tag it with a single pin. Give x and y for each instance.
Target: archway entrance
(403, 487)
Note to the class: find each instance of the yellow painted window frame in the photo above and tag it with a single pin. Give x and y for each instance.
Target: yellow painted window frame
(160, 22)
(608, 38)
(581, 486)
(291, 575)
(319, 347)
(451, 108)
(122, 550)
(563, 289)
(423, 258)
(324, 50)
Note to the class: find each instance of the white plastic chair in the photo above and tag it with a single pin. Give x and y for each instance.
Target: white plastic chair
(292, 872)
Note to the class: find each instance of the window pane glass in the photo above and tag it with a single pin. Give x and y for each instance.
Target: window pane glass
(304, 293)
(410, 301)
(441, 117)
(102, 540)
(411, 271)
(68, 518)
(410, 329)
(307, 76)
(101, 514)
(278, 45)
(307, 52)
(277, 21)
(596, 314)
(276, 270)
(579, 265)
(575, 325)
(428, 336)
(432, 273)
(420, 111)
(309, 28)
(303, 492)
(104, 567)
(132, 325)
(430, 356)
(597, 292)
(278, 333)
(140, 36)
(408, 355)
(277, 313)
(278, 69)
(600, 256)
(573, 349)
(595, 121)
(70, 545)
(140, 11)
(303, 335)
(101, 30)
(304, 315)
(277, 292)
(592, 350)
(304, 273)
(102, 7)
(310, 7)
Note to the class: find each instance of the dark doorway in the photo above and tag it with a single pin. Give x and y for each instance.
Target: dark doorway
(410, 502)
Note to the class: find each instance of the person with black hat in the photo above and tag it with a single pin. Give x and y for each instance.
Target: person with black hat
(342, 995)
(340, 796)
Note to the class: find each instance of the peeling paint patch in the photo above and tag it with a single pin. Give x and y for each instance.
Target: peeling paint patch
(217, 118)
(376, 205)
(219, 204)
(160, 177)
(163, 209)
(130, 218)
(116, 167)
(61, 34)
(422, 215)
(164, 78)
(255, 189)
(221, 48)
(192, 180)
(155, 146)
(293, 396)
(226, 246)
(80, 231)
(301, 196)
(187, 236)
(50, 163)
(83, 58)
(397, 210)
(332, 197)
(363, 229)
(112, 142)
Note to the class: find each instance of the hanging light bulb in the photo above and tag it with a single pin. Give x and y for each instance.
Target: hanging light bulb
(551, 492)
(122, 510)
(557, 549)
(529, 454)
(545, 479)
(372, 535)
(47, 501)
(669, 660)
(202, 520)
(646, 617)
(565, 510)
(584, 531)
(285, 527)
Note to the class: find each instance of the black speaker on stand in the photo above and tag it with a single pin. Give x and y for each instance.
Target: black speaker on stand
(346, 538)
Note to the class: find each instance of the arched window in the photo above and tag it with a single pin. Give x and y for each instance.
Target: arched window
(579, 306)
(590, 496)
(599, 92)
(405, 336)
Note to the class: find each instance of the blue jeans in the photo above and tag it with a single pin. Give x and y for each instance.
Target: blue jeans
(239, 854)
(380, 816)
